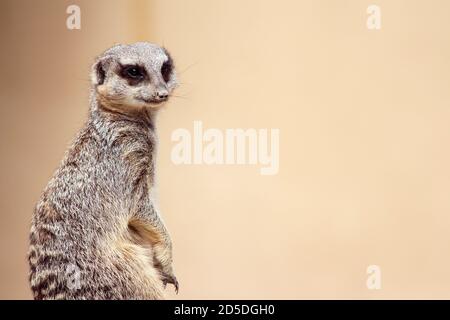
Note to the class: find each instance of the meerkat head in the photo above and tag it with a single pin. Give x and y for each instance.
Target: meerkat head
(132, 77)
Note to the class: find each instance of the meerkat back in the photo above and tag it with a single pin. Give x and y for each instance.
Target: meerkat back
(96, 232)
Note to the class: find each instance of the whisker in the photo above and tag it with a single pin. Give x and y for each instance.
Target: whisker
(187, 68)
(181, 97)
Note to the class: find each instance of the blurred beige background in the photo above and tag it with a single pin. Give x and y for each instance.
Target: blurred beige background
(364, 139)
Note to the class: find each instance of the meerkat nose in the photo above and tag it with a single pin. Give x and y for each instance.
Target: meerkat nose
(162, 94)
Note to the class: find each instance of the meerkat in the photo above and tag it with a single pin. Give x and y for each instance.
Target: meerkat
(96, 232)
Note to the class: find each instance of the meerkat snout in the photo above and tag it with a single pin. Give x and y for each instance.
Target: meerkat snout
(129, 77)
(162, 94)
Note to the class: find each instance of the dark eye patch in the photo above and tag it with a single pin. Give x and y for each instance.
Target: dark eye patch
(133, 73)
(167, 67)
(166, 70)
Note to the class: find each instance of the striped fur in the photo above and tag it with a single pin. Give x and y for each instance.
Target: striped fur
(96, 232)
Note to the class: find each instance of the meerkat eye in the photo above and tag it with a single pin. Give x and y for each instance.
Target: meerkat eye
(133, 72)
(166, 70)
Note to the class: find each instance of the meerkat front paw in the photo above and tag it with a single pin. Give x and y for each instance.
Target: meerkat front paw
(163, 261)
(170, 278)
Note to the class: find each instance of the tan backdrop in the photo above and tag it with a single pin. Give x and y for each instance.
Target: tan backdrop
(363, 115)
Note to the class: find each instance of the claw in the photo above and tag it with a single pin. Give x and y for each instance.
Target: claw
(176, 285)
(170, 279)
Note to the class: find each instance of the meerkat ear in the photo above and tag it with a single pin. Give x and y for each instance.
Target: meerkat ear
(99, 69)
